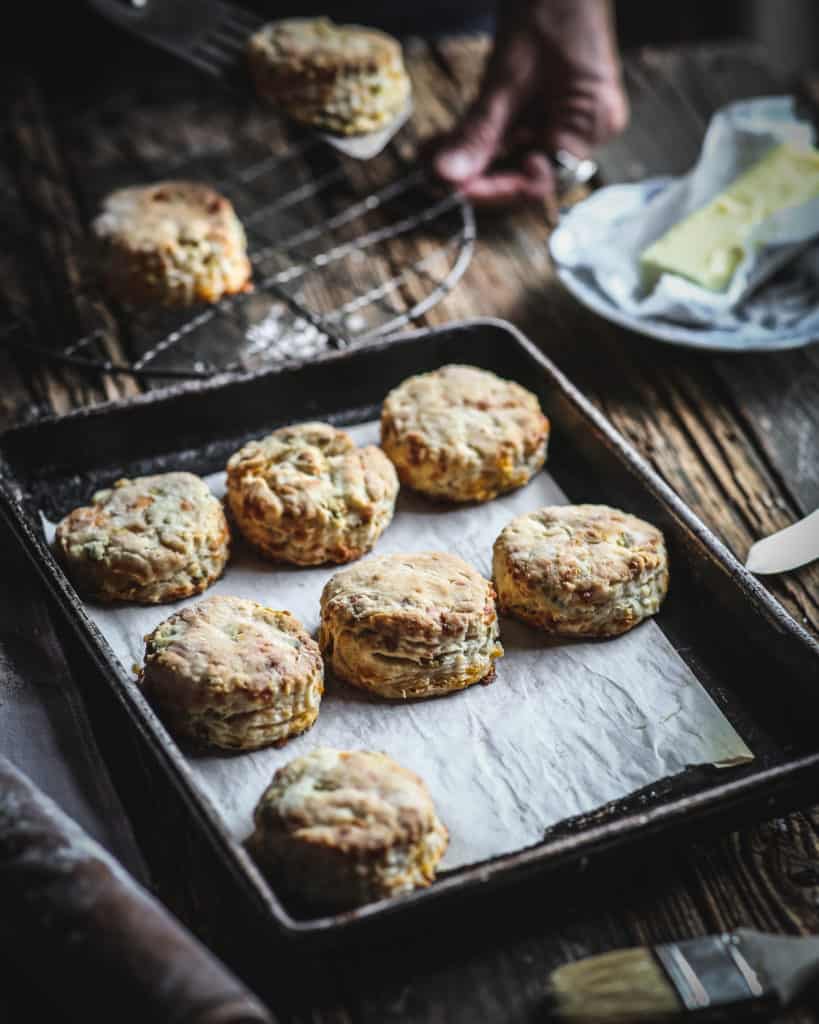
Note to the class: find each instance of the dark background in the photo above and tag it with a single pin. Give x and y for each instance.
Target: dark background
(78, 48)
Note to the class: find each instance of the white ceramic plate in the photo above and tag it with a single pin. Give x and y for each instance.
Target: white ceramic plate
(795, 289)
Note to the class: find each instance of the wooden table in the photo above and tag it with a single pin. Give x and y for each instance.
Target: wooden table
(735, 436)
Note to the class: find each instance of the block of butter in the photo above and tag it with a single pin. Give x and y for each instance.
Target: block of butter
(708, 245)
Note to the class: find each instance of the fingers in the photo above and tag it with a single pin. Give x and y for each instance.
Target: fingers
(482, 134)
(475, 142)
(533, 182)
(587, 118)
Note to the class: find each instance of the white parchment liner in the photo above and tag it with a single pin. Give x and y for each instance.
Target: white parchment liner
(561, 731)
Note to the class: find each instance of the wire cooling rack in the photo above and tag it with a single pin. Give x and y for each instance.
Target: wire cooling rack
(341, 252)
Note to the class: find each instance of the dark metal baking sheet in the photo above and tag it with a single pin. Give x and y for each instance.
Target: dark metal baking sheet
(757, 663)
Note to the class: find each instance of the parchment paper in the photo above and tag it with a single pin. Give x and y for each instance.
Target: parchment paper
(561, 731)
(365, 147)
(601, 239)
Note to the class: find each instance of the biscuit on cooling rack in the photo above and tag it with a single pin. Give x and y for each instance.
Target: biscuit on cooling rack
(306, 494)
(150, 540)
(580, 570)
(343, 828)
(414, 625)
(173, 243)
(463, 434)
(343, 78)
(232, 674)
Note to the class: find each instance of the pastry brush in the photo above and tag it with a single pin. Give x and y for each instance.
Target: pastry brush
(730, 976)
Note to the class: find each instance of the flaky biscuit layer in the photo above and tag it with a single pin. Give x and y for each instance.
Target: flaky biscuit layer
(150, 540)
(463, 434)
(580, 570)
(306, 494)
(343, 78)
(343, 828)
(234, 674)
(172, 243)
(414, 625)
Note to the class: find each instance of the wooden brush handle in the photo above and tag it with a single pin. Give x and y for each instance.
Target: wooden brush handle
(74, 920)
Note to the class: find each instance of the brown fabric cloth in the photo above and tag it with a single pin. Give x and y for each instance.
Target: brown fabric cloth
(82, 932)
(43, 725)
(75, 920)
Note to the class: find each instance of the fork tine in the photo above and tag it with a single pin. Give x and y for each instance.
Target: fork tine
(238, 18)
(221, 56)
(216, 68)
(228, 30)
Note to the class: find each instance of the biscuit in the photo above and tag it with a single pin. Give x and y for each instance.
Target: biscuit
(173, 243)
(306, 494)
(150, 540)
(414, 625)
(233, 674)
(463, 434)
(580, 570)
(343, 78)
(342, 828)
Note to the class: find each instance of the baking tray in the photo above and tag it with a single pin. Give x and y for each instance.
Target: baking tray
(761, 668)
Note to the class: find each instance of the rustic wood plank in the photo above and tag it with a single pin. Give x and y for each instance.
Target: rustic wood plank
(70, 308)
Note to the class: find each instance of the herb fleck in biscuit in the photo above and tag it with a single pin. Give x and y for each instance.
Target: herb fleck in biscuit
(414, 625)
(306, 494)
(343, 78)
(231, 673)
(150, 540)
(463, 434)
(343, 828)
(174, 243)
(580, 570)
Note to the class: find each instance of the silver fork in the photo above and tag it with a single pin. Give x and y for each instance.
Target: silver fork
(210, 35)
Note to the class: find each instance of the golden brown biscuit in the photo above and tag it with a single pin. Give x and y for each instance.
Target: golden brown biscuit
(580, 570)
(342, 828)
(151, 540)
(231, 673)
(463, 434)
(343, 78)
(173, 243)
(414, 625)
(306, 494)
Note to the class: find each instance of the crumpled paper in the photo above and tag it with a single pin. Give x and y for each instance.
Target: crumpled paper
(561, 731)
(601, 239)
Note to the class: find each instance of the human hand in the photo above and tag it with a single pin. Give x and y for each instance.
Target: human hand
(552, 83)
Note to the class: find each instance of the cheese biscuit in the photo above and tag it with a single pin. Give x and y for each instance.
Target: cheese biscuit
(415, 625)
(306, 494)
(341, 828)
(150, 540)
(344, 78)
(233, 674)
(463, 434)
(580, 570)
(173, 243)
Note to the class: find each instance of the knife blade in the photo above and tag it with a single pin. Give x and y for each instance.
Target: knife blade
(790, 548)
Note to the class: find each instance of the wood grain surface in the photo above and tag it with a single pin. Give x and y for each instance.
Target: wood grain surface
(735, 436)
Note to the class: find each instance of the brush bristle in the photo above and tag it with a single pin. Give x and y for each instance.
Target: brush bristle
(626, 985)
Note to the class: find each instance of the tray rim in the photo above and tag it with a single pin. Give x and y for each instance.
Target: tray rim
(501, 870)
